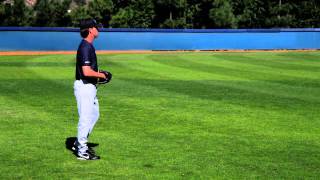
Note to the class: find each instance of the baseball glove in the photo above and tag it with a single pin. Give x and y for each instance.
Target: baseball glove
(107, 80)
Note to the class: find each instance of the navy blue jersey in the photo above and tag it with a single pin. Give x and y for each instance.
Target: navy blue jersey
(86, 56)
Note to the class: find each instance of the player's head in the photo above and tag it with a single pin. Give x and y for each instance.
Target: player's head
(89, 26)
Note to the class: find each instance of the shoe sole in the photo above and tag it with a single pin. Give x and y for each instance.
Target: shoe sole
(84, 159)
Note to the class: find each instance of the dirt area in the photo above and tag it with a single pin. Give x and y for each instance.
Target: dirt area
(24, 53)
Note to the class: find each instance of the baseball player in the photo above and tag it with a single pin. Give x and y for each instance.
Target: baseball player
(85, 88)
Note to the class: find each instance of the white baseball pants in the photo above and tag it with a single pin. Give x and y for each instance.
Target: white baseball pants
(88, 110)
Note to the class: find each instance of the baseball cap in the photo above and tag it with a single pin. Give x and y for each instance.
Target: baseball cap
(89, 23)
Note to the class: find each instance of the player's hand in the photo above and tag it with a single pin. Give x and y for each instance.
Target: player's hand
(103, 75)
(107, 75)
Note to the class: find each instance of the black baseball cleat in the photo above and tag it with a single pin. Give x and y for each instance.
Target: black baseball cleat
(74, 147)
(92, 144)
(87, 156)
(91, 150)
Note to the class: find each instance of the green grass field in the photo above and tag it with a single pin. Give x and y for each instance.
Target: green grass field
(166, 116)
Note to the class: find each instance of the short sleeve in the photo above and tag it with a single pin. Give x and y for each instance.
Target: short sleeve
(85, 56)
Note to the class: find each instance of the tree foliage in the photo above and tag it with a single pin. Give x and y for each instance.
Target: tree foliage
(52, 13)
(222, 14)
(100, 10)
(77, 14)
(164, 13)
(137, 14)
(17, 14)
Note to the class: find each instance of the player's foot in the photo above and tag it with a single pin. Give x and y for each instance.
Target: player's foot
(92, 144)
(76, 144)
(90, 147)
(91, 150)
(87, 156)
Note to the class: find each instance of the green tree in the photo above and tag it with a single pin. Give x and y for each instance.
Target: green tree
(2, 14)
(175, 13)
(201, 18)
(63, 17)
(222, 14)
(77, 14)
(178, 23)
(138, 14)
(80, 2)
(251, 13)
(122, 19)
(281, 15)
(121, 4)
(170, 6)
(101, 10)
(143, 13)
(59, 13)
(52, 13)
(40, 12)
(43, 12)
(308, 13)
(190, 14)
(17, 14)
(165, 13)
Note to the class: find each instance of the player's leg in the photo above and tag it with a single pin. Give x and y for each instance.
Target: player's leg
(94, 118)
(95, 114)
(85, 94)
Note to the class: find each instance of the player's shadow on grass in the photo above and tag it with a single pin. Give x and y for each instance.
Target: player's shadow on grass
(70, 142)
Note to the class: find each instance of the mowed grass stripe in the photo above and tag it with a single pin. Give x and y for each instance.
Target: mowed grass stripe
(186, 115)
(243, 74)
(263, 85)
(172, 84)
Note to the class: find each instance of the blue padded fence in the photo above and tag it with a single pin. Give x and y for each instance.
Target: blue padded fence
(51, 39)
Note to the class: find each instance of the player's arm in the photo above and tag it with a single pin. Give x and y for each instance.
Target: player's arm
(88, 72)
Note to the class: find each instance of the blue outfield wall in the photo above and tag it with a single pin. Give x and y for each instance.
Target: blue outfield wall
(65, 39)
